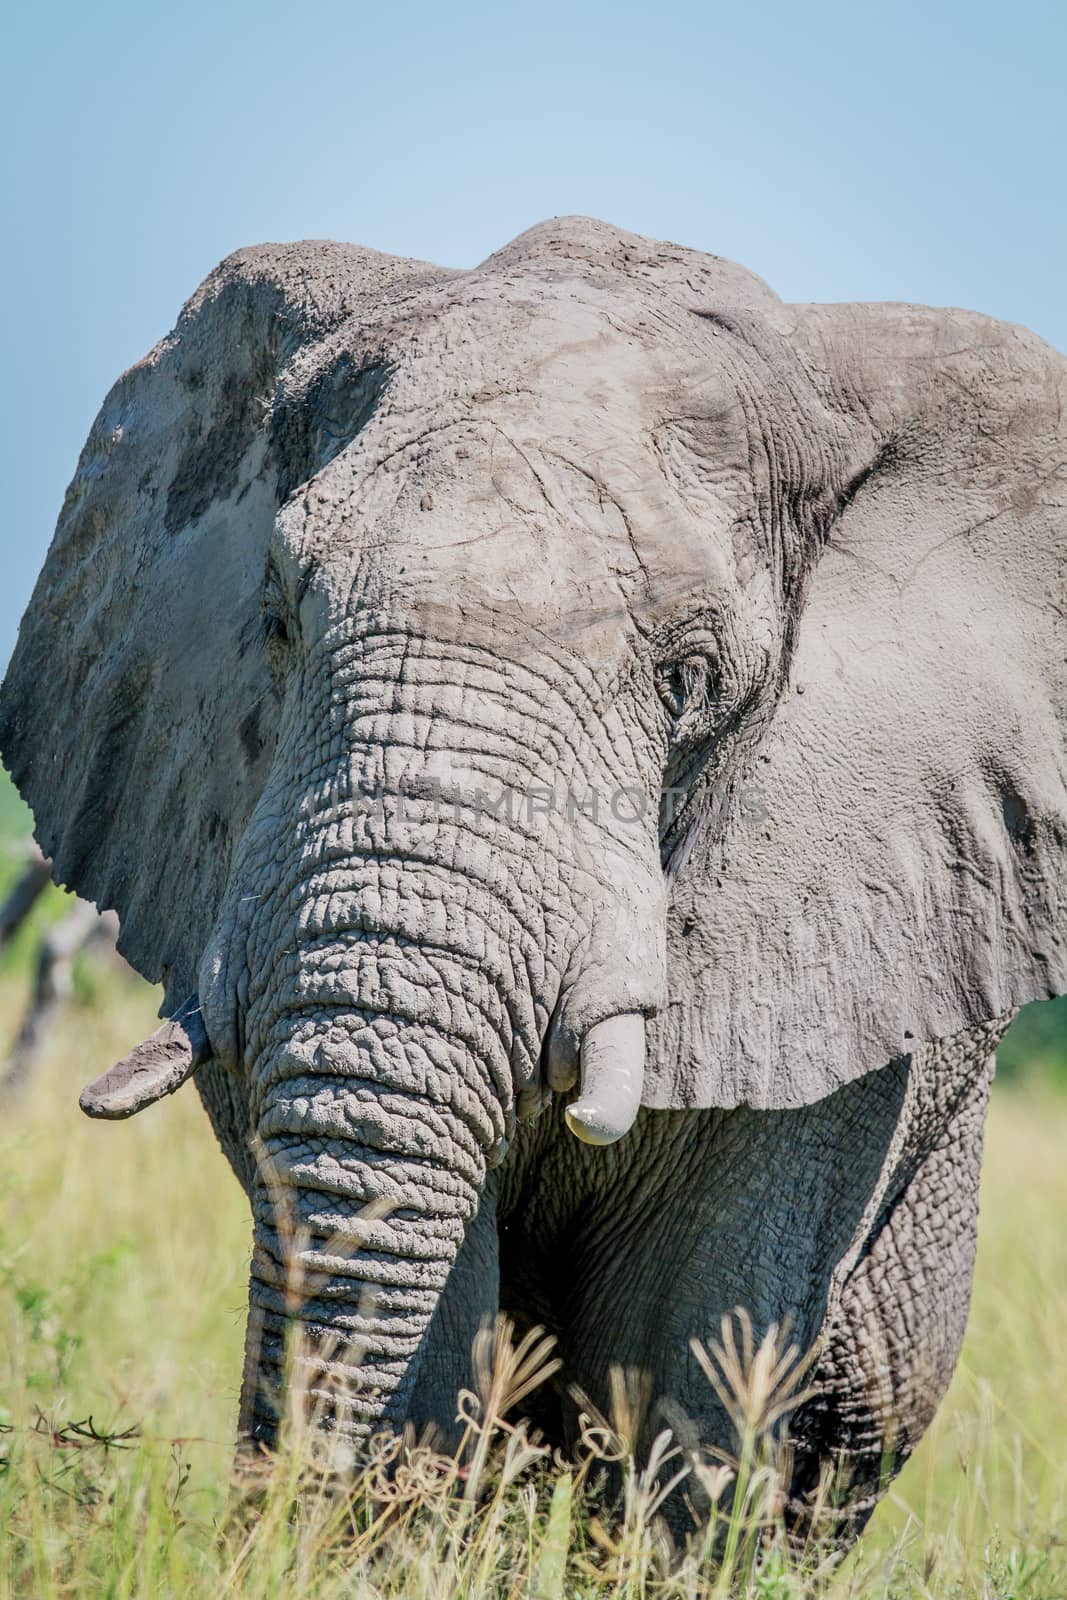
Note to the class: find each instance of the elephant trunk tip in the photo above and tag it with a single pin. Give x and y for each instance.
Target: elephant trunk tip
(612, 1068)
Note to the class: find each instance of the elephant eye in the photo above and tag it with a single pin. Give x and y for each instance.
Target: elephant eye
(688, 684)
(274, 628)
(274, 622)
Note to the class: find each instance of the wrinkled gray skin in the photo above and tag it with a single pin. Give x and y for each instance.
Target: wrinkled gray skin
(364, 537)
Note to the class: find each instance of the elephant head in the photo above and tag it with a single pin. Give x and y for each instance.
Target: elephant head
(581, 667)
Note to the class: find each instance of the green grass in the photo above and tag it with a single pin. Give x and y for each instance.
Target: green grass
(123, 1251)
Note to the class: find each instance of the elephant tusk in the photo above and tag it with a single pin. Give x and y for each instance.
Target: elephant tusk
(613, 1073)
(155, 1068)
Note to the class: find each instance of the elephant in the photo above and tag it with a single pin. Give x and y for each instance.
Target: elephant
(581, 743)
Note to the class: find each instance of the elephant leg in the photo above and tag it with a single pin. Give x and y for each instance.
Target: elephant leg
(894, 1337)
(470, 1300)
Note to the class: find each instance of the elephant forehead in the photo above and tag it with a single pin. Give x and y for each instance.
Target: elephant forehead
(569, 356)
(588, 360)
(544, 440)
(489, 518)
(549, 466)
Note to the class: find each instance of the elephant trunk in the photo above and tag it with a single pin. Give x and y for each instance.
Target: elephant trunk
(380, 1048)
(371, 1158)
(387, 998)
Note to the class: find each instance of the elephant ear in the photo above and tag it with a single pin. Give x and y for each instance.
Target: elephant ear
(137, 716)
(896, 866)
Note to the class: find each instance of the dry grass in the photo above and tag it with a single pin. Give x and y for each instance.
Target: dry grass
(123, 1252)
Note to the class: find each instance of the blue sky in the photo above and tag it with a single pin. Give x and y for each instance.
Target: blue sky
(844, 151)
